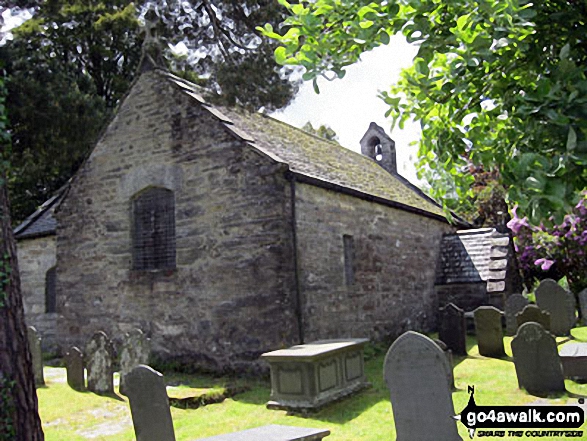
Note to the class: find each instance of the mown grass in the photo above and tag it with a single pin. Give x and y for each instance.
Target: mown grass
(70, 415)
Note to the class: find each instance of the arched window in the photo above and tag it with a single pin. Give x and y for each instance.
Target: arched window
(153, 235)
(50, 291)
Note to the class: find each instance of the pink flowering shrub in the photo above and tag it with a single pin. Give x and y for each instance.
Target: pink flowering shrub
(557, 251)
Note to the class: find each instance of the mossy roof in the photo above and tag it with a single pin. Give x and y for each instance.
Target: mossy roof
(317, 158)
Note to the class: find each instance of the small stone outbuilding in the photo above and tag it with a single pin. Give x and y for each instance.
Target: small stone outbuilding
(477, 267)
(223, 234)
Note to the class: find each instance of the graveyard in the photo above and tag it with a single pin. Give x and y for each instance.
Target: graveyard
(69, 414)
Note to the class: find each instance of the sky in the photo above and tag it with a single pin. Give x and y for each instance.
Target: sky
(349, 105)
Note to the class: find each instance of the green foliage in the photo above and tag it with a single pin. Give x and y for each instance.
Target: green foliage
(73, 61)
(7, 429)
(499, 84)
(323, 131)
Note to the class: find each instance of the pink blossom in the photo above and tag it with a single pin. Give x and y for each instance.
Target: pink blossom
(545, 264)
(516, 224)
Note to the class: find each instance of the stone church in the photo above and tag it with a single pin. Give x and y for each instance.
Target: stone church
(223, 234)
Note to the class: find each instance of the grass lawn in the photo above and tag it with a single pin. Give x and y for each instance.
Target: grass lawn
(70, 415)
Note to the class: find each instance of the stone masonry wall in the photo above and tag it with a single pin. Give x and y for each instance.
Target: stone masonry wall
(35, 257)
(395, 255)
(231, 296)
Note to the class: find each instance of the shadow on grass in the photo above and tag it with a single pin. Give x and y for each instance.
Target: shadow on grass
(342, 410)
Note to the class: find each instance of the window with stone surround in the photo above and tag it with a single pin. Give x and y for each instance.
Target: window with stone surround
(50, 291)
(153, 234)
(349, 259)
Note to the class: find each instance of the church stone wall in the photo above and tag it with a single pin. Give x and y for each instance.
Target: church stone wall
(231, 296)
(35, 257)
(393, 264)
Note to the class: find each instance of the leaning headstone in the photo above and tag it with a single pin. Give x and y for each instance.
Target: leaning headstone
(583, 305)
(532, 313)
(36, 354)
(74, 364)
(537, 363)
(415, 371)
(99, 364)
(149, 405)
(560, 303)
(514, 304)
(136, 348)
(452, 328)
(489, 331)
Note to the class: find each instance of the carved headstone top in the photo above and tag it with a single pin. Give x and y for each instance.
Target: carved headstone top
(489, 331)
(536, 359)
(415, 371)
(532, 313)
(514, 304)
(136, 348)
(99, 355)
(552, 297)
(149, 405)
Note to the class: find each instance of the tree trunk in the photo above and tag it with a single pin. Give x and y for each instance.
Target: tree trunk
(19, 416)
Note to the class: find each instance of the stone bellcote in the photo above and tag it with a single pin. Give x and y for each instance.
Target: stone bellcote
(381, 148)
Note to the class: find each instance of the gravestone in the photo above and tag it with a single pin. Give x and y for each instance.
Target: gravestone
(99, 364)
(415, 371)
(583, 305)
(448, 354)
(149, 405)
(489, 331)
(514, 304)
(74, 364)
(574, 361)
(136, 348)
(36, 355)
(537, 363)
(452, 328)
(532, 313)
(556, 300)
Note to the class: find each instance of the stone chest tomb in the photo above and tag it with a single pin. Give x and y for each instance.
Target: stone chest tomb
(224, 234)
(311, 375)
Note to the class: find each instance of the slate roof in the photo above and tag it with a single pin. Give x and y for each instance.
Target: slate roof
(471, 256)
(41, 222)
(312, 159)
(318, 160)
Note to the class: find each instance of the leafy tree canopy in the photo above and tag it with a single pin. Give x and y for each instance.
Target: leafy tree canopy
(71, 63)
(497, 84)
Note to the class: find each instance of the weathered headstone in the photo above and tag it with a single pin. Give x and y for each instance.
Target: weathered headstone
(514, 304)
(415, 371)
(149, 405)
(74, 364)
(574, 361)
(532, 313)
(136, 348)
(452, 328)
(36, 354)
(489, 331)
(99, 354)
(448, 354)
(538, 366)
(583, 305)
(560, 303)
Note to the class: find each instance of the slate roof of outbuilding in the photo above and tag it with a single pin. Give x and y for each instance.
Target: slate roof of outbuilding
(41, 222)
(471, 256)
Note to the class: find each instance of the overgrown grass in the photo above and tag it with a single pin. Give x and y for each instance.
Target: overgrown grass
(71, 415)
